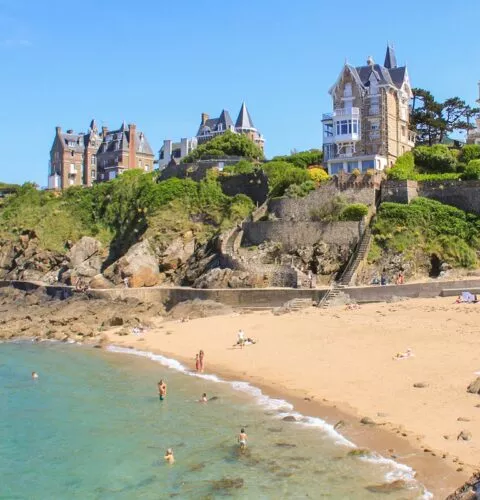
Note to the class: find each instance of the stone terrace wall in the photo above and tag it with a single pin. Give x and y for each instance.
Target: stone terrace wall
(399, 191)
(293, 234)
(301, 208)
(461, 194)
(253, 185)
(464, 195)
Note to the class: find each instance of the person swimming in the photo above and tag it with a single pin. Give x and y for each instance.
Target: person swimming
(242, 439)
(169, 456)
(34, 375)
(162, 390)
(203, 399)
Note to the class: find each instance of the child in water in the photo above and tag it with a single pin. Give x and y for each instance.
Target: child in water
(203, 398)
(169, 456)
(242, 439)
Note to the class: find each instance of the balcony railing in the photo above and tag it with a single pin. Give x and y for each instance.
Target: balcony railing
(327, 116)
(347, 137)
(346, 112)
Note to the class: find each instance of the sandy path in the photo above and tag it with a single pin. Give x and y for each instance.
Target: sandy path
(345, 357)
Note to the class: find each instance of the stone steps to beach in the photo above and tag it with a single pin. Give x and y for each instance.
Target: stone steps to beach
(298, 304)
(359, 256)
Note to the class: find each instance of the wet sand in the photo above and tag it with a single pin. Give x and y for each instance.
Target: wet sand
(337, 364)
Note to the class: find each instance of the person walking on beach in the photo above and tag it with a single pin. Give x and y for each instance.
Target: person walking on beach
(241, 338)
(162, 390)
(169, 456)
(201, 356)
(242, 439)
(197, 362)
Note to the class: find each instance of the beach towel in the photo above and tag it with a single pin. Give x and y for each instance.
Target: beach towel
(468, 297)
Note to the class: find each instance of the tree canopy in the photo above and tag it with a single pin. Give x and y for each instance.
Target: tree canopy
(227, 144)
(434, 120)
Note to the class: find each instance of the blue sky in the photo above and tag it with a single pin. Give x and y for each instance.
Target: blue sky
(161, 63)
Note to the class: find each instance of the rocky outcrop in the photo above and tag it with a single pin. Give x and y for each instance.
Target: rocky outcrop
(36, 314)
(474, 387)
(139, 265)
(24, 259)
(100, 282)
(178, 252)
(468, 491)
(85, 257)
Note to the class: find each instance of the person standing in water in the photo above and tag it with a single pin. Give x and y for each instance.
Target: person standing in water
(169, 456)
(197, 363)
(162, 390)
(34, 375)
(201, 356)
(203, 399)
(242, 439)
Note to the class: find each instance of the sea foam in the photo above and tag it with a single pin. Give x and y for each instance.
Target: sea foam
(283, 409)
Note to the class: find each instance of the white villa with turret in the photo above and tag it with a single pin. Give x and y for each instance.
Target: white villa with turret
(369, 126)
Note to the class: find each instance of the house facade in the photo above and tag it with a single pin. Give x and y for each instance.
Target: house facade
(473, 136)
(80, 159)
(369, 125)
(208, 129)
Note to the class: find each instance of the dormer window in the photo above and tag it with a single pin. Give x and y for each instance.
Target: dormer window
(347, 92)
(220, 127)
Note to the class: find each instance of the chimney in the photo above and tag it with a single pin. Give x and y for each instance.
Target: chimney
(132, 146)
(58, 130)
(104, 131)
(205, 117)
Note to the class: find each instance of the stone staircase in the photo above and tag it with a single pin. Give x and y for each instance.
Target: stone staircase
(357, 258)
(334, 291)
(298, 304)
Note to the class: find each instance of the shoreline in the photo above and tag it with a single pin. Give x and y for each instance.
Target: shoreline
(438, 477)
(336, 364)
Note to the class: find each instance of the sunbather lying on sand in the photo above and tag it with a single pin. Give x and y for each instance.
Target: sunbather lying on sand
(403, 355)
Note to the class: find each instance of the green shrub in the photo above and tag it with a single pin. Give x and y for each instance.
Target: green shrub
(300, 190)
(281, 175)
(472, 171)
(330, 211)
(227, 144)
(354, 212)
(403, 169)
(469, 152)
(303, 159)
(435, 159)
(318, 174)
(429, 226)
(242, 167)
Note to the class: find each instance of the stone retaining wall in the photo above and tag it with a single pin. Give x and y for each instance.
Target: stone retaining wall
(464, 195)
(259, 297)
(294, 234)
(302, 209)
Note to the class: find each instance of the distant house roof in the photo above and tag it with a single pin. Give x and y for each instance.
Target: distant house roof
(119, 140)
(244, 119)
(389, 74)
(213, 124)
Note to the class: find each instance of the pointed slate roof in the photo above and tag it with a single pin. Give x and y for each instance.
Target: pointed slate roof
(244, 119)
(390, 58)
(225, 120)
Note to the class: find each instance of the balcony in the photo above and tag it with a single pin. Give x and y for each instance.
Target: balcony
(411, 138)
(327, 116)
(328, 139)
(353, 137)
(346, 112)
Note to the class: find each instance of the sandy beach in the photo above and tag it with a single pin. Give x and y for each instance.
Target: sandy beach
(338, 364)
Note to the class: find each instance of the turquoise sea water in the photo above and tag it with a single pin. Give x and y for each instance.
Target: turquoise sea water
(92, 427)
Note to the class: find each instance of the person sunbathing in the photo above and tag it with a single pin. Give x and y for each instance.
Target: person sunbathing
(403, 355)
